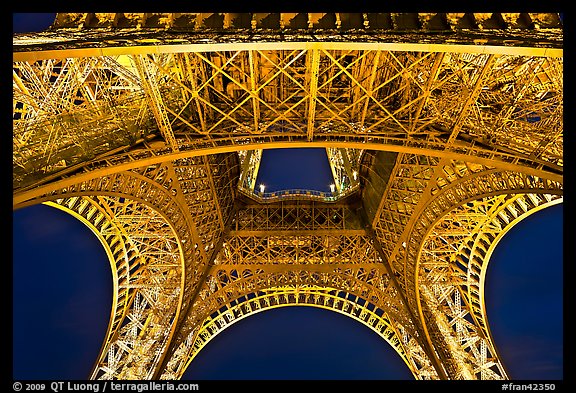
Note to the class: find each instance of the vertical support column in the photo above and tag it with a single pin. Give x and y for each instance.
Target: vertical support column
(155, 102)
(427, 89)
(173, 345)
(312, 90)
(471, 98)
(430, 352)
(250, 168)
(188, 75)
(253, 91)
(370, 87)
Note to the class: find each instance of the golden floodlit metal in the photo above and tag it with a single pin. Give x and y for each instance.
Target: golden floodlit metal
(442, 131)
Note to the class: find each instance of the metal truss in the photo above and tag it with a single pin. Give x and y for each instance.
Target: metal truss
(452, 271)
(414, 100)
(149, 128)
(147, 269)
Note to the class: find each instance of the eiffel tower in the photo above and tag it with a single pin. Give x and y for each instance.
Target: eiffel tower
(443, 130)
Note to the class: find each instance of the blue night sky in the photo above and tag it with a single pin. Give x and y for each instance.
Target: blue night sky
(61, 277)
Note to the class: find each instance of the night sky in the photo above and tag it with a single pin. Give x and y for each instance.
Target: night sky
(62, 295)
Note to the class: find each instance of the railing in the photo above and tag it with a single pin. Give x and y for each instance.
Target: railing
(297, 194)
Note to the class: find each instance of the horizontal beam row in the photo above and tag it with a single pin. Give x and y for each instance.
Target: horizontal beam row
(318, 20)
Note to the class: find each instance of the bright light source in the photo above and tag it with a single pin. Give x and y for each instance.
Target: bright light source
(332, 187)
(355, 175)
(262, 187)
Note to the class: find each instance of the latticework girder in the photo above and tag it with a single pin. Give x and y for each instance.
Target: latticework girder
(414, 98)
(150, 129)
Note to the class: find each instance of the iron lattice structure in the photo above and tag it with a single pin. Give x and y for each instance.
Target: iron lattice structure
(442, 131)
